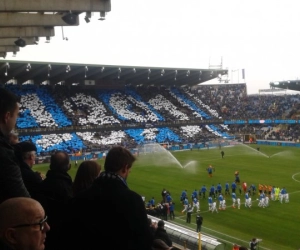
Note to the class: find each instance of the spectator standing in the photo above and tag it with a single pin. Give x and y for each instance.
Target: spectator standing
(11, 182)
(153, 226)
(162, 234)
(56, 190)
(23, 224)
(26, 153)
(86, 173)
(58, 185)
(108, 209)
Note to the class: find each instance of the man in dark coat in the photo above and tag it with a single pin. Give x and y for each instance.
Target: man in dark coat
(58, 183)
(162, 234)
(55, 193)
(108, 213)
(199, 221)
(11, 182)
(26, 153)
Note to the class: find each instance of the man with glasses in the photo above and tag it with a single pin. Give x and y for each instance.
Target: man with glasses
(11, 182)
(23, 224)
(26, 153)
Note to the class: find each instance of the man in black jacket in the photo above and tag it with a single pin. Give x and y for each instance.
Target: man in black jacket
(162, 234)
(23, 224)
(108, 213)
(11, 182)
(199, 221)
(55, 192)
(26, 153)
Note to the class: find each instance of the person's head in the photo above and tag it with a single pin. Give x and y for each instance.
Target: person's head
(23, 224)
(60, 161)
(86, 173)
(119, 160)
(9, 111)
(160, 224)
(26, 151)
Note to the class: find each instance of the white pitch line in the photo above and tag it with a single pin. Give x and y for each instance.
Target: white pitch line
(226, 235)
(293, 177)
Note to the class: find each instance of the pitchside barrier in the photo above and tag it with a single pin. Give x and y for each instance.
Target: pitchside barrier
(188, 239)
(278, 143)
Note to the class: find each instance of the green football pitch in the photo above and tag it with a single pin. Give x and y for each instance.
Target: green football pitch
(277, 225)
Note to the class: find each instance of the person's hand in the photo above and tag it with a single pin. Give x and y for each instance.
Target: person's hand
(42, 175)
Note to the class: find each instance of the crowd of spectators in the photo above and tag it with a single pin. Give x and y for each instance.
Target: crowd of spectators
(180, 110)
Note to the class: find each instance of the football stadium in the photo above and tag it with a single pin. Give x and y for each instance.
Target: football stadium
(193, 142)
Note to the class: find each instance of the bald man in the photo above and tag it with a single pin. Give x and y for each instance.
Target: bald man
(23, 224)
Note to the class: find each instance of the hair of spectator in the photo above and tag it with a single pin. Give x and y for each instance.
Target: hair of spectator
(60, 161)
(117, 158)
(86, 173)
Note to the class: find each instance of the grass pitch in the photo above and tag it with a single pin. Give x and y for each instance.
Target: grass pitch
(277, 225)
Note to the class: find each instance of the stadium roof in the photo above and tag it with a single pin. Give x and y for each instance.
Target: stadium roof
(22, 23)
(289, 85)
(21, 72)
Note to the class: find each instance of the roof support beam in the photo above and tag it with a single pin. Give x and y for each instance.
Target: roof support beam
(9, 48)
(55, 5)
(11, 41)
(13, 32)
(9, 19)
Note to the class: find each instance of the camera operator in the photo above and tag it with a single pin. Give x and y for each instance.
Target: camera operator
(254, 243)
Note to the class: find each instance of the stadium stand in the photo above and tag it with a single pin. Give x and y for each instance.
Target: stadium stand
(131, 116)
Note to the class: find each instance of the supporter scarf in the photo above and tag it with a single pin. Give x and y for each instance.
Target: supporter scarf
(110, 175)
